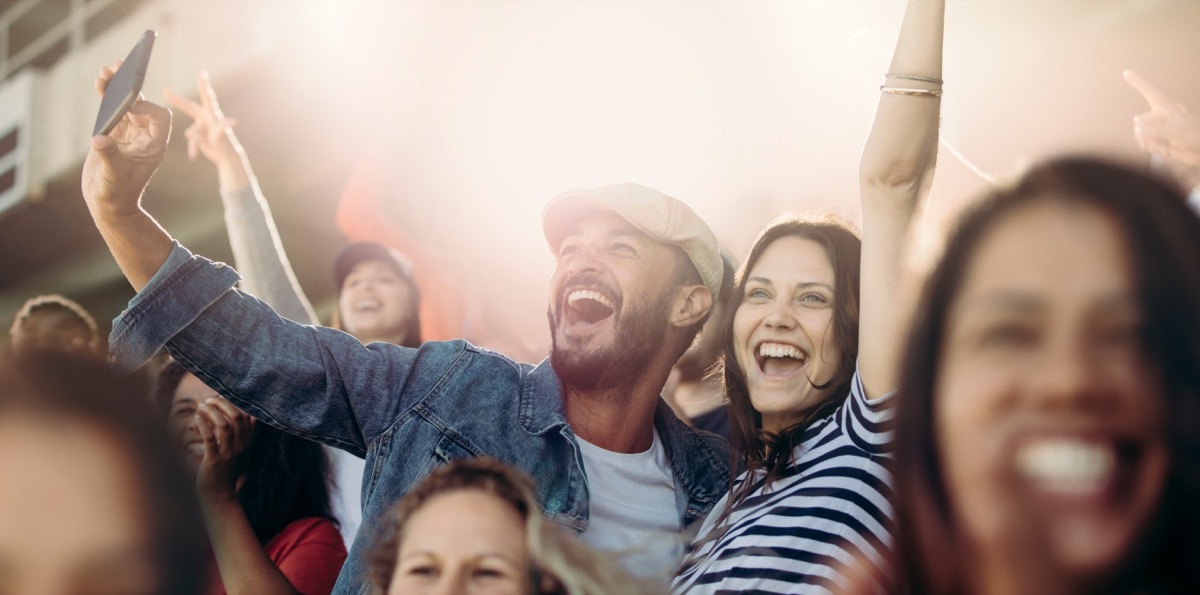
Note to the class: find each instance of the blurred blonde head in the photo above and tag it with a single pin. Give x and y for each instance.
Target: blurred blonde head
(477, 493)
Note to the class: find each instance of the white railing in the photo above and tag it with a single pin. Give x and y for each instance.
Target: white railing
(73, 29)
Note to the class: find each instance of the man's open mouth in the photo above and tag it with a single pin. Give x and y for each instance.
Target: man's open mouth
(583, 307)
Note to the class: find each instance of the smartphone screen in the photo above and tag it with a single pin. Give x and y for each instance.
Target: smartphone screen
(125, 85)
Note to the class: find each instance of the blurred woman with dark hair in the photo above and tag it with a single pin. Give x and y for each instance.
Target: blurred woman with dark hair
(1048, 437)
(91, 498)
(264, 494)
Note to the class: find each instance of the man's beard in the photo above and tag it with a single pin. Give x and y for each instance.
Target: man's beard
(638, 337)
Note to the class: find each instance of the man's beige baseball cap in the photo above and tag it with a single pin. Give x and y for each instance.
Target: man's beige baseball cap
(655, 214)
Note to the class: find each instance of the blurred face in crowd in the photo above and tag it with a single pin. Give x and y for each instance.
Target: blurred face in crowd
(181, 422)
(465, 541)
(375, 303)
(781, 330)
(610, 299)
(1046, 411)
(72, 514)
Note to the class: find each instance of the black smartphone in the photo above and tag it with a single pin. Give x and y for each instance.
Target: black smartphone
(125, 85)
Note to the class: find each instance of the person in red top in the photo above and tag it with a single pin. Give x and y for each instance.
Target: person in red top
(263, 493)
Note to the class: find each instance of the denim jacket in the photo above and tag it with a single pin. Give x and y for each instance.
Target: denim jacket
(405, 410)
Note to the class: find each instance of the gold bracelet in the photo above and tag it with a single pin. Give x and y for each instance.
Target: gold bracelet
(913, 77)
(908, 91)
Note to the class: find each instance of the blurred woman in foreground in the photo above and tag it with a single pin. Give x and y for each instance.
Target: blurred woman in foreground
(1048, 437)
(92, 500)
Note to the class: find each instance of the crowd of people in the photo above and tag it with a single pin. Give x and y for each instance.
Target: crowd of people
(1024, 417)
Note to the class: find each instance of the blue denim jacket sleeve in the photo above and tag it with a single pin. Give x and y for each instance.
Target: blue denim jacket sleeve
(134, 340)
(319, 383)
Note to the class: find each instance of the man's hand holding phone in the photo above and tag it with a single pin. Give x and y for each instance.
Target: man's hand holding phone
(125, 151)
(120, 163)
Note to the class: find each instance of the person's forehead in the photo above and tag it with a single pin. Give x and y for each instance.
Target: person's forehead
(793, 258)
(1046, 254)
(603, 222)
(191, 388)
(464, 512)
(372, 265)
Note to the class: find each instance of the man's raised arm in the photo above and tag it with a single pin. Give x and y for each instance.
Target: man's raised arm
(315, 382)
(115, 173)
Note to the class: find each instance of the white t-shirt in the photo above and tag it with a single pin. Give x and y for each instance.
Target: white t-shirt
(347, 492)
(633, 513)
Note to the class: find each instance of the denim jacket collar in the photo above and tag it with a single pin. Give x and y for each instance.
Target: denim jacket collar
(542, 401)
(701, 471)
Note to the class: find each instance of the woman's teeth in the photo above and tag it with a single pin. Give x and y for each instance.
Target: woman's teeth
(780, 359)
(780, 350)
(1067, 466)
(366, 305)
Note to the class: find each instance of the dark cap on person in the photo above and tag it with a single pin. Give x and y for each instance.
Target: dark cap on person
(356, 253)
(666, 219)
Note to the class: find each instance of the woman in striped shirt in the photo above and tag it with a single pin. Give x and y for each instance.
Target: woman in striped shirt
(810, 362)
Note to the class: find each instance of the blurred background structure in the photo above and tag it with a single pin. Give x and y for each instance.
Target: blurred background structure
(480, 111)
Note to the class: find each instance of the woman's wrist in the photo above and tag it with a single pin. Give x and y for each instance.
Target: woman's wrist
(218, 497)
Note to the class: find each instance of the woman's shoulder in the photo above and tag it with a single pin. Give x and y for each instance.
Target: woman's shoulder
(865, 423)
(310, 552)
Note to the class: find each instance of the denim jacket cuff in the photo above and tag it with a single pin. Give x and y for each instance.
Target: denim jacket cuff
(182, 288)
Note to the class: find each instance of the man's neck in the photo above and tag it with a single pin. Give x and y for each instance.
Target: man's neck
(616, 419)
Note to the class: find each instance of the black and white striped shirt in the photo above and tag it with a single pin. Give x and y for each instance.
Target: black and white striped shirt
(829, 510)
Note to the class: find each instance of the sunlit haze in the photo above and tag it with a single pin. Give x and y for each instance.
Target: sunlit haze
(485, 110)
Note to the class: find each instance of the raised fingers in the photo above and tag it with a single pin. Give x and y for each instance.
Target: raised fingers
(205, 426)
(208, 97)
(240, 424)
(183, 104)
(106, 74)
(1155, 97)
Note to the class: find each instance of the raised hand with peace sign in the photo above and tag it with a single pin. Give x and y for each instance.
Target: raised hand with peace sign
(211, 135)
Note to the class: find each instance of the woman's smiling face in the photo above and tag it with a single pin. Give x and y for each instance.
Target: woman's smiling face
(1045, 402)
(782, 332)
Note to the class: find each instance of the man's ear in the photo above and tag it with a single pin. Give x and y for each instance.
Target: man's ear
(691, 304)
